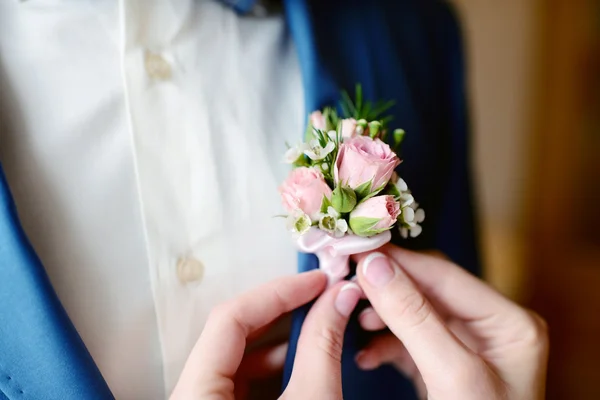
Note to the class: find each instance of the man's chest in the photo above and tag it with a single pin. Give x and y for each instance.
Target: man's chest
(143, 151)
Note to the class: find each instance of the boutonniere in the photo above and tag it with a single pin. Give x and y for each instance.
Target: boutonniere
(343, 195)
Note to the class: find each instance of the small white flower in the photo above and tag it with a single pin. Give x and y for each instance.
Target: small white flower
(324, 166)
(411, 229)
(316, 152)
(293, 153)
(298, 222)
(415, 231)
(419, 215)
(406, 199)
(359, 130)
(401, 185)
(332, 223)
(419, 212)
(341, 227)
(408, 214)
(332, 134)
(411, 217)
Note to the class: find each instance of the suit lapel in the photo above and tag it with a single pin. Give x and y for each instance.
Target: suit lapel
(42, 356)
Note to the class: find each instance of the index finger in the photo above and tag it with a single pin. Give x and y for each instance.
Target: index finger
(412, 319)
(222, 344)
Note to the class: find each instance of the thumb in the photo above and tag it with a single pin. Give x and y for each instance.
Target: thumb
(317, 371)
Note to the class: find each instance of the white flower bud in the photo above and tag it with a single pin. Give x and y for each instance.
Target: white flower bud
(415, 231)
(419, 215)
(404, 232)
(408, 214)
(401, 185)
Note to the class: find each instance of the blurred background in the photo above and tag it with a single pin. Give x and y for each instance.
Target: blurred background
(534, 70)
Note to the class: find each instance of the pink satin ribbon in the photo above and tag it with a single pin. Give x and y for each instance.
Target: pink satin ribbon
(334, 253)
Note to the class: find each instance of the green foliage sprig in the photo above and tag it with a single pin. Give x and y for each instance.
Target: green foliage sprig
(367, 110)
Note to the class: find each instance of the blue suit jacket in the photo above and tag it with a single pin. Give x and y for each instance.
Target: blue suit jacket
(405, 50)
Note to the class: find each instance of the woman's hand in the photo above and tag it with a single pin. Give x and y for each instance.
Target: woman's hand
(211, 369)
(456, 337)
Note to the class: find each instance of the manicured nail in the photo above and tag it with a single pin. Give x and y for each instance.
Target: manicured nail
(364, 316)
(366, 311)
(377, 269)
(347, 298)
(365, 362)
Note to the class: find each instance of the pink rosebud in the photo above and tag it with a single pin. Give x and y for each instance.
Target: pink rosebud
(362, 159)
(348, 128)
(304, 189)
(374, 215)
(317, 120)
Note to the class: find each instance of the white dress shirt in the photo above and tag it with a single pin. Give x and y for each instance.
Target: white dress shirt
(142, 141)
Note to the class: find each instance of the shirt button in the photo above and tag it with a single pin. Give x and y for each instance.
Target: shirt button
(157, 67)
(189, 270)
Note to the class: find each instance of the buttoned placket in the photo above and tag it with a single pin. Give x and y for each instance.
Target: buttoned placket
(177, 213)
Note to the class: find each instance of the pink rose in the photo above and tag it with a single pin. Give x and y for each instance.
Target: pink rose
(362, 159)
(304, 189)
(374, 215)
(317, 120)
(348, 128)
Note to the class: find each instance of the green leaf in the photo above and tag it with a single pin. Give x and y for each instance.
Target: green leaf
(308, 134)
(363, 190)
(373, 193)
(366, 111)
(359, 108)
(351, 108)
(325, 203)
(363, 226)
(386, 120)
(343, 199)
(345, 110)
(381, 107)
(392, 190)
(320, 136)
(302, 161)
(330, 116)
(359, 97)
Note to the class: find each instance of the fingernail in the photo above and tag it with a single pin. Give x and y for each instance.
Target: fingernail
(365, 362)
(365, 312)
(347, 298)
(364, 317)
(377, 269)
